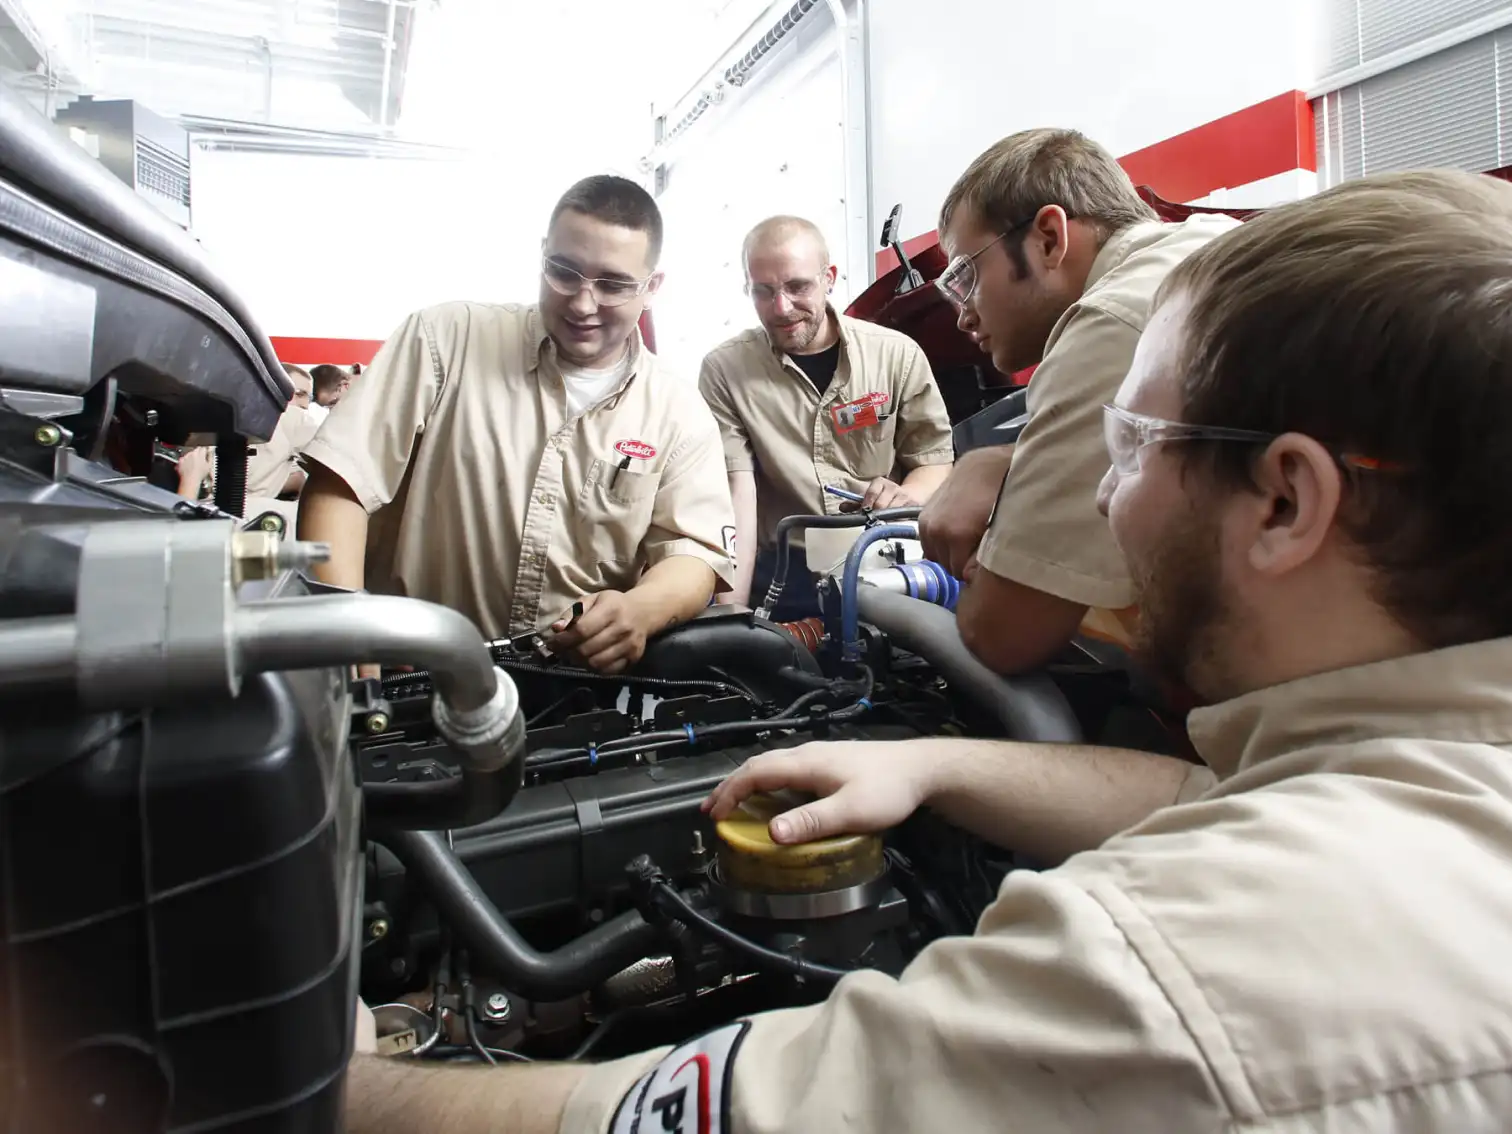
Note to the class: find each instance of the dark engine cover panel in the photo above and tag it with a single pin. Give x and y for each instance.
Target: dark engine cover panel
(182, 944)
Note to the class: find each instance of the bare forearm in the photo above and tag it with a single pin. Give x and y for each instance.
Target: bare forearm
(673, 591)
(390, 1096)
(743, 497)
(329, 513)
(1048, 801)
(922, 481)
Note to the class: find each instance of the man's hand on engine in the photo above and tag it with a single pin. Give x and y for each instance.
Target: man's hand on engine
(863, 786)
(609, 636)
(955, 518)
(882, 493)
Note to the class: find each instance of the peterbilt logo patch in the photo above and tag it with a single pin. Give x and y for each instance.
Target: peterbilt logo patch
(637, 449)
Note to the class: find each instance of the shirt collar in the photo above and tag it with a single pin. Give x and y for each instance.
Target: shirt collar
(540, 344)
(1116, 250)
(1462, 694)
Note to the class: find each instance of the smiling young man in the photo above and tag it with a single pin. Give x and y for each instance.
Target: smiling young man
(510, 461)
(814, 398)
(1055, 261)
(1308, 485)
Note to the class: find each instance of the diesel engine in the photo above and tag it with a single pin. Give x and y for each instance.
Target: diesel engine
(214, 839)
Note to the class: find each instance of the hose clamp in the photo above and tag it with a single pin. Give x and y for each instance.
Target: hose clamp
(491, 736)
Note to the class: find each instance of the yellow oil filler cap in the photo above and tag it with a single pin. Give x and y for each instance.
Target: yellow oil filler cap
(749, 859)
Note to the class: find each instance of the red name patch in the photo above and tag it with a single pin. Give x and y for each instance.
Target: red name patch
(637, 449)
(860, 413)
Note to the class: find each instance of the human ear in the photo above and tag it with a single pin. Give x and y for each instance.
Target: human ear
(1049, 235)
(1299, 490)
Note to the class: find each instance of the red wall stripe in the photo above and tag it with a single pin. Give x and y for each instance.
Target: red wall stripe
(1272, 137)
(337, 352)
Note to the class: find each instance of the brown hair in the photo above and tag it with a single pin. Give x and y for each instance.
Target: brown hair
(1010, 183)
(1376, 318)
(617, 201)
(328, 378)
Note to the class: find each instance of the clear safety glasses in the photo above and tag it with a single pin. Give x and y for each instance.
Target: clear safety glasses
(565, 280)
(1128, 434)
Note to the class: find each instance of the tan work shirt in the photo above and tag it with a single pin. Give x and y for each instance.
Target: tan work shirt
(1319, 943)
(270, 465)
(881, 416)
(1046, 532)
(487, 497)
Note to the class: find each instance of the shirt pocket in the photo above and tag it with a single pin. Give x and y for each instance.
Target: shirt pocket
(619, 498)
(867, 450)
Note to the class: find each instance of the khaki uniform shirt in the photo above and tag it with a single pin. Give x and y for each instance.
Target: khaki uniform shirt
(1320, 943)
(1046, 532)
(486, 497)
(270, 465)
(882, 416)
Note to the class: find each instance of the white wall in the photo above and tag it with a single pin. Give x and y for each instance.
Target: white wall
(330, 247)
(950, 77)
(776, 149)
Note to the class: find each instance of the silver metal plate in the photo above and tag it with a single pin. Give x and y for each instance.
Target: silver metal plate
(798, 907)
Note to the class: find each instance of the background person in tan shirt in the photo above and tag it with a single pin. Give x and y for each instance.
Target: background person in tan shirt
(1056, 261)
(813, 398)
(1319, 943)
(517, 459)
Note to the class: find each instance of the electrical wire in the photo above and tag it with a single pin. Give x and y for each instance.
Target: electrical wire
(675, 906)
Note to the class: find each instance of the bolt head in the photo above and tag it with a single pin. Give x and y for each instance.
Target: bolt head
(377, 723)
(496, 1007)
(48, 435)
(272, 524)
(378, 930)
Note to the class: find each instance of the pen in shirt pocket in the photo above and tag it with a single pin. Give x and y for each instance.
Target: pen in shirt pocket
(619, 468)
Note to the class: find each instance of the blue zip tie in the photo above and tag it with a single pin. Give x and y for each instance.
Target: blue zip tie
(592, 755)
(865, 702)
(689, 730)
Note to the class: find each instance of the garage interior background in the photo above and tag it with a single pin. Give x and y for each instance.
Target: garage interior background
(352, 160)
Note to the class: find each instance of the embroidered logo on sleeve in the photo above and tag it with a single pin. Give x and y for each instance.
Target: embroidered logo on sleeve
(688, 1092)
(860, 413)
(637, 449)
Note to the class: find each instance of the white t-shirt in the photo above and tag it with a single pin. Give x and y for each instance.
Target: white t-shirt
(587, 388)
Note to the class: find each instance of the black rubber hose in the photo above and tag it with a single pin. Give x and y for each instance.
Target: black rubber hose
(675, 906)
(787, 525)
(441, 805)
(476, 923)
(572, 673)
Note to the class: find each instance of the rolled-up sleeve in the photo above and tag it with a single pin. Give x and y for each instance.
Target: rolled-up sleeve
(714, 386)
(1046, 532)
(1048, 1018)
(370, 435)
(692, 514)
(923, 432)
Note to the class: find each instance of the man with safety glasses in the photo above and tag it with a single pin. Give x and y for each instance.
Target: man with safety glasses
(1055, 260)
(1318, 942)
(813, 401)
(533, 466)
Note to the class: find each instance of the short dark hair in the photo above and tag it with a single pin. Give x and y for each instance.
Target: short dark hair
(1008, 184)
(328, 379)
(297, 372)
(618, 201)
(1375, 318)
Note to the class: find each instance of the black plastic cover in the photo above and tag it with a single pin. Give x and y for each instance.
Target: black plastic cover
(182, 890)
(99, 284)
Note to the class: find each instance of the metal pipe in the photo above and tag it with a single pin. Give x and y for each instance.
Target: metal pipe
(37, 653)
(322, 630)
(850, 628)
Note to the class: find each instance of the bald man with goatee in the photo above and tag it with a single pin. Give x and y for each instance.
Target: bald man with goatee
(814, 398)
